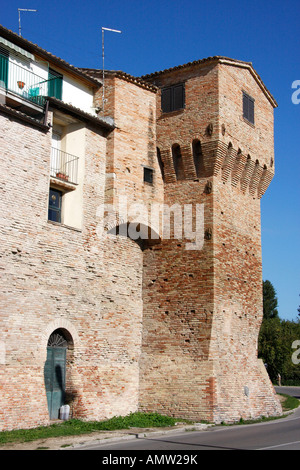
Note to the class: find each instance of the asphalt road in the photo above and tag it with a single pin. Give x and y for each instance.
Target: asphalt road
(281, 434)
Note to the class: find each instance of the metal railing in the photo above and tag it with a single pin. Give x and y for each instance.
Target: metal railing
(64, 166)
(24, 83)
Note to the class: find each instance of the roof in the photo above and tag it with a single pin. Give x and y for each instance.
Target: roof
(35, 49)
(222, 60)
(124, 76)
(104, 122)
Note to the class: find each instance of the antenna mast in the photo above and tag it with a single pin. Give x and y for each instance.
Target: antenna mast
(103, 87)
(19, 11)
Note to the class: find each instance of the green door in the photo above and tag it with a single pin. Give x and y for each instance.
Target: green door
(55, 379)
(3, 70)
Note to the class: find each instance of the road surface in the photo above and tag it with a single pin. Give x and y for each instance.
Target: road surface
(281, 434)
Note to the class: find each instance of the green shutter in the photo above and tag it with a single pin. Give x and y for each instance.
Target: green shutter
(3, 70)
(55, 84)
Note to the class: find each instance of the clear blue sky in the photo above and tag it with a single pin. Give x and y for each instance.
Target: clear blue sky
(157, 34)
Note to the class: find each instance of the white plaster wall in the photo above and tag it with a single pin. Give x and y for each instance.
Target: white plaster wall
(75, 91)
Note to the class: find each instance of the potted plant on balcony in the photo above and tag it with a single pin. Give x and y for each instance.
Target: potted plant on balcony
(21, 84)
(62, 176)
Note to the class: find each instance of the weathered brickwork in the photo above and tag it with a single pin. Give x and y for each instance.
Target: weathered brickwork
(54, 277)
(203, 308)
(151, 324)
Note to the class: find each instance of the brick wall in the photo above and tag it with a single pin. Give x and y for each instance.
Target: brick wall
(156, 327)
(56, 277)
(203, 308)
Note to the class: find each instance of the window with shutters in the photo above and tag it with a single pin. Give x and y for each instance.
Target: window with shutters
(173, 98)
(248, 108)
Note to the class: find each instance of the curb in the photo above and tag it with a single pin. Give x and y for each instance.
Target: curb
(130, 436)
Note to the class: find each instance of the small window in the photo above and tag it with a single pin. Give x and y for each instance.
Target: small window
(148, 175)
(248, 108)
(173, 98)
(55, 203)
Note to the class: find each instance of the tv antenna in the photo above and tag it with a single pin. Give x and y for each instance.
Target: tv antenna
(19, 11)
(103, 87)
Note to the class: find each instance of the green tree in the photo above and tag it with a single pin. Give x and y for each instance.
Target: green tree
(270, 301)
(276, 338)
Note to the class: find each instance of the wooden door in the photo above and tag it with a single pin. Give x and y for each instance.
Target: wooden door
(55, 378)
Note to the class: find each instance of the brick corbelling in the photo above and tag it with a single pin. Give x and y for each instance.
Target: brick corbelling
(255, 179)
(265, 180)
(238, 168)
(247, 173)
(169, 171)
(188, 162)
(228, 163)
(224, 161)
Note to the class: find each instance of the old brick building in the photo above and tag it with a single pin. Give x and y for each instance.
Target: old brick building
(106, 304)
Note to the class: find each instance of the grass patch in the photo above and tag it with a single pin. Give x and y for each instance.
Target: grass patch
(75, 427)
(289, 403)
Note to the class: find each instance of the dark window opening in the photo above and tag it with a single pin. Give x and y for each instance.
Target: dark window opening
(177, 162)
(173, 98)
(198, 158)
(55, 203)
(161, 164)
(248, 108)
(148, 175)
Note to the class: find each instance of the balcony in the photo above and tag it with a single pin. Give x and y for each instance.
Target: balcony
(63, 167)
(21, 85)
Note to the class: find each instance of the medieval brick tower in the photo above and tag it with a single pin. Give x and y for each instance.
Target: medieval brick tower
(155, 316)
(203, 307)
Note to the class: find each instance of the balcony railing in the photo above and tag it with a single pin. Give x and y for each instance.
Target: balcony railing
(64, 166)
(26, 84)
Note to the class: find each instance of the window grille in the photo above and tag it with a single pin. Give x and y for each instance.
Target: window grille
(57, 340)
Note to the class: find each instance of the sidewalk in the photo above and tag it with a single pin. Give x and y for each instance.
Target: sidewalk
(69, 442)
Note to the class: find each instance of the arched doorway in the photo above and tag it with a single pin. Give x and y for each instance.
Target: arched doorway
(55, 372)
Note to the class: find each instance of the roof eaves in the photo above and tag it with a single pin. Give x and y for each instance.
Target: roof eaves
(34, 48)
(23, 117)
(107, 123)
(124, 76)
(255, 75)
(218, 59)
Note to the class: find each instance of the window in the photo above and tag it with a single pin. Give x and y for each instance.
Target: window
(54, 208)
(148, 175)
(172, 98)
(55, 84)
(248, 108)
